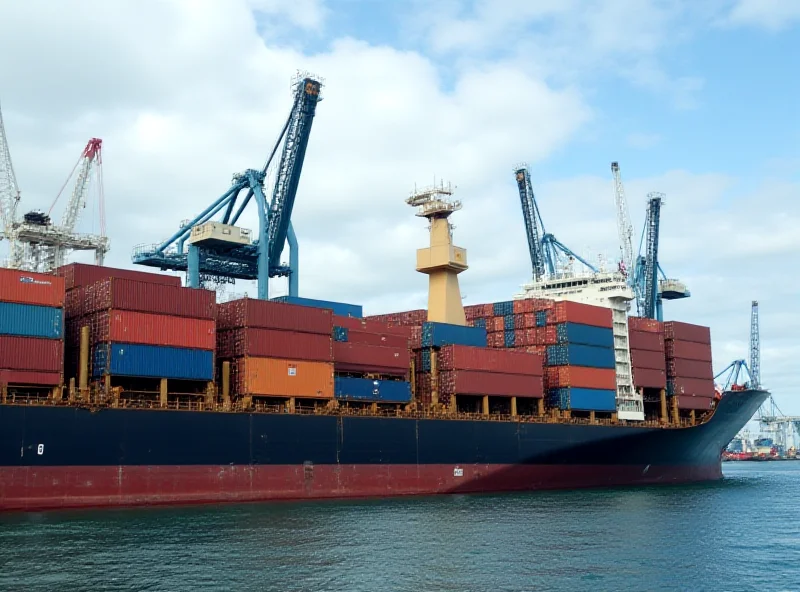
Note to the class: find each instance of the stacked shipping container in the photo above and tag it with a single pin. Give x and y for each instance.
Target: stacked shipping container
(371, 360)
(690, 376)
(648, 361)
(277, 349)
(31, 329)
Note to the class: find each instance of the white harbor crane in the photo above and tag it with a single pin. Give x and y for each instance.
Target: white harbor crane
(624, 224)
(35, 243)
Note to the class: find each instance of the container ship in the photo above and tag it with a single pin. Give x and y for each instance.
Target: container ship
(124, 388)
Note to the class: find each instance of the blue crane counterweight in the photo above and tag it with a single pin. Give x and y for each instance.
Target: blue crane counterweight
(197, 248)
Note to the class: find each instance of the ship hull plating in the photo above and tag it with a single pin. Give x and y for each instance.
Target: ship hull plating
(60, 457)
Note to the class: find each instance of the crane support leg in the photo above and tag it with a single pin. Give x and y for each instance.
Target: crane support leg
(294, 262)
(193, 271)
(263, 237)
(659, 309)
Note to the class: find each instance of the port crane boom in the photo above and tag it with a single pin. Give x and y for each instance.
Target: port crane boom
(9, 190)
(219, 249)
(624, 224)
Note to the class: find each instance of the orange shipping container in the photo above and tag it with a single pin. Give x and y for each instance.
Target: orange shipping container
(271, 377)
(581, 377)
(25, 287)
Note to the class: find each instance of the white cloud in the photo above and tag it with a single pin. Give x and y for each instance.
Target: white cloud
(768, 14)
(307, 14)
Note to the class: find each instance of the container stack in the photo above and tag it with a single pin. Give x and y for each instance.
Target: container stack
(276, 350)
(581, 367)
(648, 358)
(372, 361)
(465, 370)
(338, 308)
(146, 330)
(690, 376)
(515, 324)
(31, 329)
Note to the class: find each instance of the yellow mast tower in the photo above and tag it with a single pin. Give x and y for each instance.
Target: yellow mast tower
(441, 261)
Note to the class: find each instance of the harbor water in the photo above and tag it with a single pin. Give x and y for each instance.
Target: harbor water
(740, 534)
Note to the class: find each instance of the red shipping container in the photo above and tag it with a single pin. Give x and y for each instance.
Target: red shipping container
(416, 336)
(25, 287)
(75, 303)
(122, 294)
(690, 369)
(358, 357)
(687, 332)
(371, 326)
(688, 402)
(688, 350)
(23, 378)
(646, 325)
(651, 360)
(585, 314)
(372, 338)
(495, 324)
(471, 382)
(463, 357)
(649, 378)
(643, 340)
(581, 377)
(519, 339)
(265, 314)
(31, 353)
(692, 386)
(519, 321)
(271, 343)
(137, 327)
(83, 274)
(523, 306)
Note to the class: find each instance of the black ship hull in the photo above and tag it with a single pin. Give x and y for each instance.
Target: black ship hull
(59, 457)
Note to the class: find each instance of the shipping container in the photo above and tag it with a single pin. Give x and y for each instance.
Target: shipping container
(687, 332)
(688, 350)
(585, 314)
(282, 378)
(690, 386)
(370, 338)
(127, 326)
(651, 360)
(583, 399)
(584, 334)
(152, 361)
(25, 378)
(75, 303)
(367, 389)
(122, 294)
(642, 340)
(500, 309)
(509, 337)
(690, 369)
(580, 355)
(688, 402)
(439, 334)
(523, 306)
(541, 318)
(30, 320)
(340, 333)
(266, 314)
(273, 343)
(582, 377)
(341, 309)
(479, 323)
(83, 274)
(371, 326)
(462, 357)
(425, 360)
(649, 378)
(31, 354)
(26, 287)
(645, 325)
(359, 357)
(471, 382)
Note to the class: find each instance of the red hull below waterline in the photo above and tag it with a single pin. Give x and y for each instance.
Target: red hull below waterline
(41, 488)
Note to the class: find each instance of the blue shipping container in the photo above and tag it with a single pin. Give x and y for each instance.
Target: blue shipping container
(29, 320)
(479, 323)
(584, 334)
(340, 334)
(341, 309)
(426, 360)
(541, 318)
(508, 338)
(439, 334)
(508, 322)
(583, 399)
(502, 309)
(574, 354)
(153, 361)
(366, 389)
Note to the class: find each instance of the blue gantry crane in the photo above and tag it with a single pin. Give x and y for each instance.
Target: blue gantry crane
(548, 254)
(219, 249)
(649, 282)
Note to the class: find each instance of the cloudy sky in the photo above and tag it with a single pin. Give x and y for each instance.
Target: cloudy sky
(695, 100)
